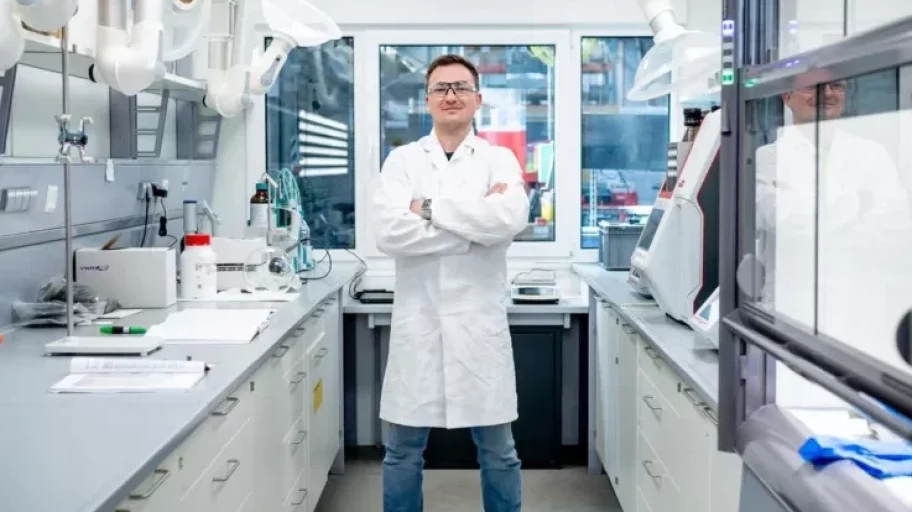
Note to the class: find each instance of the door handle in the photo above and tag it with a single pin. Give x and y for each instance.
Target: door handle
(300, 379)
(303, 434)
(283, 349)
(232, 403)
(647, 465)
(648, 401)
(163, 475)
(303, 497)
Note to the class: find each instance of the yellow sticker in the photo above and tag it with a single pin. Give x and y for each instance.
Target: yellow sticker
(318, 395)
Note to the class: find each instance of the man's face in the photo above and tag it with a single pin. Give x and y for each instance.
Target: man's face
(804, 102)
(452, 98)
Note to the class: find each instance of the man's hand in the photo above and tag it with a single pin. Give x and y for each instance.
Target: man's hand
(416, 206)
(497, 188)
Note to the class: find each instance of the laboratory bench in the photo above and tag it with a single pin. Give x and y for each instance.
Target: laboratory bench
(549, 343)
(653, 402)
(261, 431)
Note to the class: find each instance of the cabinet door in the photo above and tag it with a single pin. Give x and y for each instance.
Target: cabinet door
(724, 473)
(626, 419)
(607, 383)
(318, 471)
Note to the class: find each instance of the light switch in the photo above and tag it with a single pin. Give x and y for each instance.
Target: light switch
(50, 201)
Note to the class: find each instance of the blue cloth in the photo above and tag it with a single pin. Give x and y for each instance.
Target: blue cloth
(880, 459)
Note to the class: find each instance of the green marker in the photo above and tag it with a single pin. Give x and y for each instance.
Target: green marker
(120, 329)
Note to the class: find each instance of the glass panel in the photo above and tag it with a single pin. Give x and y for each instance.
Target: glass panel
(833, 214)
(805, 26)
(624, 142)
(871, 14)
(310, 130)
(517, 84)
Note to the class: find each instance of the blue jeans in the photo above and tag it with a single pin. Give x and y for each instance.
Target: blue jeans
(501, 482)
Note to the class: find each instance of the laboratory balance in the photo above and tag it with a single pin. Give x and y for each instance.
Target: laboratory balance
(535, 287)
(705, 322)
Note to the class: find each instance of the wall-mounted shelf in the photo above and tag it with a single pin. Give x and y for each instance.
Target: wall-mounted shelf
(43, 52)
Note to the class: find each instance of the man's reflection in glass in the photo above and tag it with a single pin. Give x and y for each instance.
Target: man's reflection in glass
(832, 217)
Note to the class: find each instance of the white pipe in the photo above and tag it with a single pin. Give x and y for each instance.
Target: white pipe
(12, 36)
(128, 64)
(660, 15)
(46, 15)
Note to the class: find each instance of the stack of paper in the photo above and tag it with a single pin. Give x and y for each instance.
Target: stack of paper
(214, 326)
(238, 295)
(128, 375)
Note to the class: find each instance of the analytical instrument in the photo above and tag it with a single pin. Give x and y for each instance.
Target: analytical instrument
(705, 322)
(535, 287)
(137, 277)
(232, 255)
(679, 251)
(677, 158)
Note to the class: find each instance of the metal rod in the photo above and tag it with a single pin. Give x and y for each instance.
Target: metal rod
(67, 181)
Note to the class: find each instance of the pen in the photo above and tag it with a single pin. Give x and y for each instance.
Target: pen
(120, 329)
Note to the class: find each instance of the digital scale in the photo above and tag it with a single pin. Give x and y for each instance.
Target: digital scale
(705, 322)
(535, 287)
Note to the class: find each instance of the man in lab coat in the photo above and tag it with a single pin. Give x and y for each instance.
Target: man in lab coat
(834, 221)
(446, 208)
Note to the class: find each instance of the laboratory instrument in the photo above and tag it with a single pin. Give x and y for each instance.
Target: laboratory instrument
(231, 257)
(136, 277)
(680, 265)
(705, 322)
(617, 243)
(269, 269)
(105, 345)
(677, 157)
(198, 268)
(535, 287)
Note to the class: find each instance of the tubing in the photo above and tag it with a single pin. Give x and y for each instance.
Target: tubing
(192, 36)
(128, 65)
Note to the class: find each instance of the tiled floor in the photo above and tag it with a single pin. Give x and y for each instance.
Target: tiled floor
(565, 490)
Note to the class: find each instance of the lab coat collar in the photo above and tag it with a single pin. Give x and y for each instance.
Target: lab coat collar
(432, 147)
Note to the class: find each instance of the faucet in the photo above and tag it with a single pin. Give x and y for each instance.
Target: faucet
(70, 139)
(214, 219)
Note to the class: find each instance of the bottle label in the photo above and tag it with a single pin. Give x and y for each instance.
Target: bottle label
(259, 215)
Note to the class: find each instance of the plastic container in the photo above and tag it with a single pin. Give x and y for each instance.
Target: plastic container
(198, 270)
(259, 208)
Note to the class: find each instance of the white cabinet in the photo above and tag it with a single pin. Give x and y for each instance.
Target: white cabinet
(270, 444)
(655, 437)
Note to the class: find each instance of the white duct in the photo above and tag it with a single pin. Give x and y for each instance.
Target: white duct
(185, 24)
(46, 15)
(128, 63)
(293, 23)
(12, 36)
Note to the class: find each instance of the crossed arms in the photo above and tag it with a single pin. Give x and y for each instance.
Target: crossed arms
(455, 223)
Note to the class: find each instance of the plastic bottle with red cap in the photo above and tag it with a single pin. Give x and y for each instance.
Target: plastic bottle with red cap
(198, 268)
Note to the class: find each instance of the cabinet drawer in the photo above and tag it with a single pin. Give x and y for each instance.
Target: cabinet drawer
(657, 369)
(658, 421)
(295, 455)
(641, 505)
(659, 491)
(297, 498)
(227, 482)
(160, 491)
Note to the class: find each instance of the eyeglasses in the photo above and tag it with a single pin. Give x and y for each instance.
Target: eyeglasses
(460, 89)
(835, 87)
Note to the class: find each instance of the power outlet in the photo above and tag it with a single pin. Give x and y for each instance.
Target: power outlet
(145, 191)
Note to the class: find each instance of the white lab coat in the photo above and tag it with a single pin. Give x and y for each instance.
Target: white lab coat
(450, 354)
(843, 265)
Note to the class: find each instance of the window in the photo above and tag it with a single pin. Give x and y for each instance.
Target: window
(624, 142)
(310, 130)
(517, 83)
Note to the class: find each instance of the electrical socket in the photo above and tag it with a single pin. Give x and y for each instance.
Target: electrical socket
(145, 191)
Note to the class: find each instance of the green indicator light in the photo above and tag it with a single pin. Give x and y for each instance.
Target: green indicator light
(728, 77)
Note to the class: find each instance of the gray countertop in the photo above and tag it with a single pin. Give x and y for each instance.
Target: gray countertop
(80, 453)
(674, 341)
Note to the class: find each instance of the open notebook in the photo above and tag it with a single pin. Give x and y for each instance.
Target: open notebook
(129, 375)
(215, 326)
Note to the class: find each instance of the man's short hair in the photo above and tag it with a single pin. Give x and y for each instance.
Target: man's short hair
(451, 60)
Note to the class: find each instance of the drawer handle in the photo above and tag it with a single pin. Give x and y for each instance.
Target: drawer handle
(648, 401)
(688, 392)
(319, 312)
(711, 415)
(303, 497)
(627, 329)
(651, 352)
(233, 464)
(303, 434)
(283, 349)
(299, 331)
(300, 379)
(647, 465)
(232, 403)
(163, 475)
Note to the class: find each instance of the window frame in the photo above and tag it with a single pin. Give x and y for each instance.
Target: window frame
(591, 255)
(566, 152)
